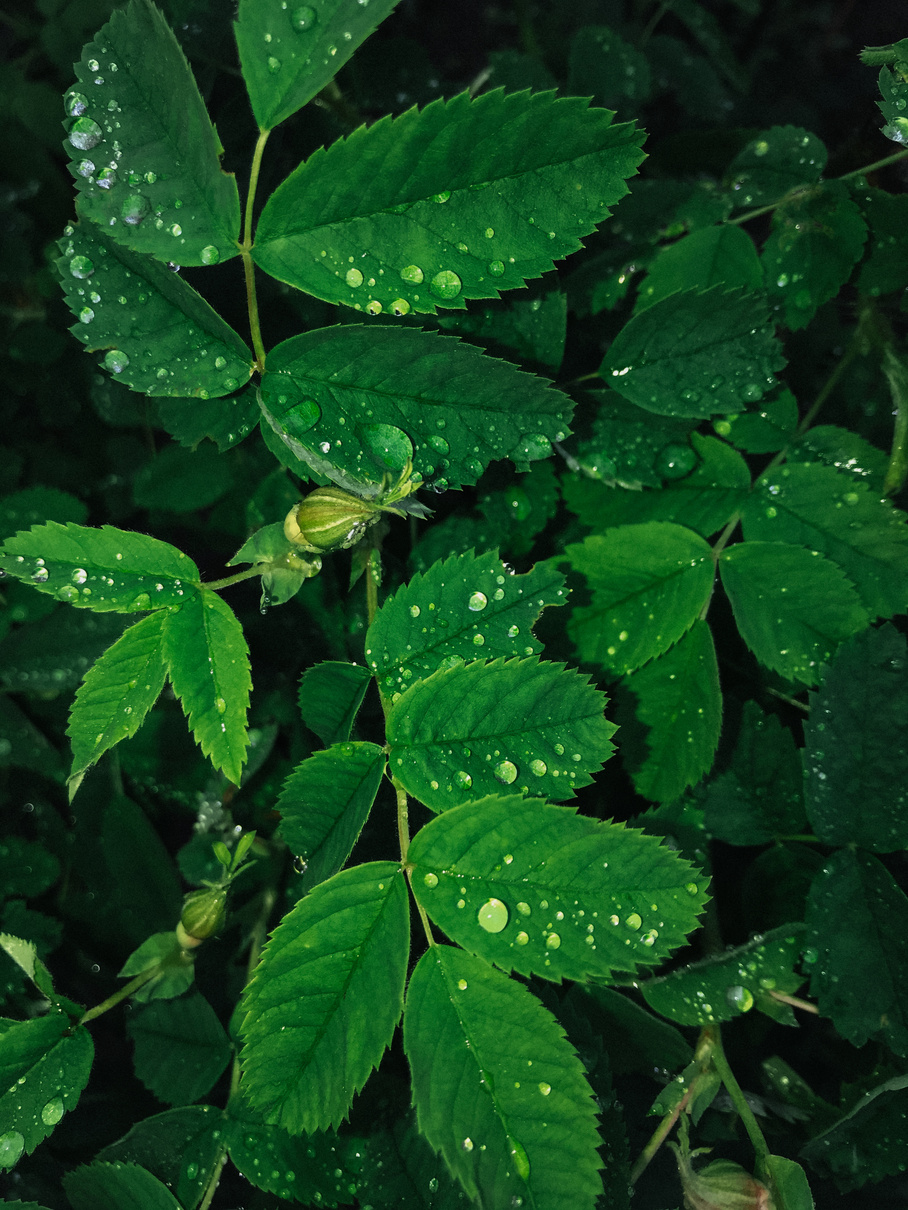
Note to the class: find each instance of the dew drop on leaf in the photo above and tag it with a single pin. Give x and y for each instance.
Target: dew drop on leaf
(431, 880)
(303, 18)
(505, 772)
(538, 768)
(12, 1144)
(463, 780)
(633, 921)
(496, 268)
(492, 916)
(81, 267)
(353, 278)
(544, 1088)
(524, 909)
(740, 997)
(445, 284)
(209, 255)
(553, 942)
(412, 273)
(52, 1112)
(76, 104)
(116, 361)
(477, 602)
(85, 134)
(521, 938)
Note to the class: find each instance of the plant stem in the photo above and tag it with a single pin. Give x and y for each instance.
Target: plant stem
(795, 1002)
(733, 1088)
(403, 833)
(246, 247)
(658, 1137)
(123, 994)
(217, 585)
(214, 1180)
(372, 587)
(897, 376)
(883, 163)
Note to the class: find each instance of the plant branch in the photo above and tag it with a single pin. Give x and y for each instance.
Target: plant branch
(217, 585)
(733, 1088)
(658, 1137)
(214, 1180)
(123, 994)
(246, 247)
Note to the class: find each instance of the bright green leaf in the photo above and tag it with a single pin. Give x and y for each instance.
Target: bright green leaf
(145, 156)
(469, 730)
(174, 970)
(447, 203)
(540, 890)
(509, 1109)
(649, 584)
(180, 1048)
(333, 970)
(775, 162)
(330, 696)
(712, 256)
(789, 1183)
(208, 665)
(116, 1186)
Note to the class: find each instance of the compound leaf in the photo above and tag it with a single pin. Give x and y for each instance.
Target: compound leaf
(792, 606)
(208, 665)
(538, 889)
(712, 256)
(162, 337)
(152, 175)
(333, 971)
(102, 1186)
(104, 569)
(460, 200)
(331, 694)
(468, 730)
(649, 584)
(464, 606)
(356, 402)
(324, 804)
(509, 1109)
(180, 1048)
(695, 354)
(289, 52)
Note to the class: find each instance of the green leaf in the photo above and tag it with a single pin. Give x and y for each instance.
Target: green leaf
(856, 750)
(530, 328)
(101, 1186)
(846, 451)
(466, 606)
(604, 66)
(26, 867)
(25, 955)
(182, 481)
(395, 1167)
(333, 970)
(894, 89)
(766, 431)
(226, 422)
(885, 269)
(390, 218)
(792, 606)
(22, 744)
(330, 696)
(102, 569)
(145, 156)
(325, 802)
(703, 500)
(310, 1168)
(51, 654)
(354, 403)
(146, 886)
(638, 573)
(290, 52)
(696, 353)
(629, 447)
(759, 797)
(857, 921)
(634, 1040)
(777, 161)
(208, 665)
(284, 569)
(118, 691)
(181, 1147)
(866, 1144)
(789, 1183)
(468, 730)
(679, 703)
(180, 1048)
(713, 256)
(175, 971)
(816, 239)
(35, 504)
(44, 1065)
(509, 1109)
(729, 984)
(537, 889)
(824, 510)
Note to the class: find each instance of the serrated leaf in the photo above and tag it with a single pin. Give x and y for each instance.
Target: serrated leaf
(145, 156)
(527, 328)
(35, 504)
(163, 337)
(180, 1048)
(846, 451)
(540, 890)
(341, 398)
(732, 983)
(792, 607)
(118, 691)
(226, 422)
(44, 1065)
(816, 239)
(866, 1144)
(679, 703)
(466, 606)
(174, 968)
(101, 1186)
(857, 922)
(25, 953)
(333, 970)
(510, 1109)
(894, 90)
(766, 431)
(469, 730)
(695, 354)
(289, 53)
(759, 797)
(712, 256)
(774, 163)
(855, 745)
(325, 802)
(824, 510)
(104, 569)
(311, 1168)
(172, 1145)
(601, 64)
(628, 447)
(649, 583)
(330, 696)
(395, 1167)
(51, 654)
(417, 234)
(208, 665)
(885, 269)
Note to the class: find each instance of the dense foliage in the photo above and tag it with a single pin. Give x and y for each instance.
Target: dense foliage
(457, 315)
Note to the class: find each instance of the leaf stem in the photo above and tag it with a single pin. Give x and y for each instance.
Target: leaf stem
(372, 576)
(214, 1180)
(217, 585)
(658, 1137)
(897, 376)
(123, 994)
(403, 832)
(795, 1002)
(883, 163)
(733, 1088)
(246, 248)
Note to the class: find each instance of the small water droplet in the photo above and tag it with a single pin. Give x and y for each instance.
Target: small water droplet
(524, 909)
(538, 768)
(303, 18)
(81, 267)
(412, 274)
(76, 104)
(86, 315)
(463, 780)
(544, 1088)
(521, 938)
(431, 880)
(209, 255)
(496, 268)
(414, 611)
(116, 361)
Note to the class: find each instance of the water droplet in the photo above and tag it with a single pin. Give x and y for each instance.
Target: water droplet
(649, 938)
(633, 921)
(176, 229)
(675, 461)
(492, 916)
(400, 306)
(79, 576)
(85, 168)
(116, 361)
(221, 705)
(303, 18)
(93, 65)
(444, 196)
(851, 498)
(740, 997)
(505, 772)
(524, 909)
(466, 1145)
(53, 1111)
(445, 284)
(274, 65)
(374, 307)
(439, 445)
(81, 267)
(462, 984)
(12, 1144)
(412, 274)
(477, 602)
(544, 1088)
(135, 208)
(76, 104)
(107, 178)
(85, 134)
(414, 611)
(692, 888)
(495, 268)
(353, 278)
(538, 768)
(431, 880)
(209, 255)
(86, 315)
(463, 780)
(521, 939)
(553, 941)
(67, 593)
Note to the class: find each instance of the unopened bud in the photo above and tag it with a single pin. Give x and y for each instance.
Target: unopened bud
(329, 519)
(203, 914)
(722, 1185)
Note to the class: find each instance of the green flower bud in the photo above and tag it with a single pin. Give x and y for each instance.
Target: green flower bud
(203, 914)
(722, 1185)
(329, 519)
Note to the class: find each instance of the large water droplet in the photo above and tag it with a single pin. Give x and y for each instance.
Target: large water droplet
(53, 1111)
(524, 909)
(354, 278)
(79, 576)
(633, 921)
(209, 255)
(492, 916)
(553, 942)
(740, 997)
(85, 134)
(477, 602)
(496, 268)
(81, 267)
(390, 446)
(135, 208)
(505, 772)
(76, 104)
(412, 274)
(303, 18)
(463, 780)
(107, 178)
(538, 768)
(522, 938)
(85, 168)
(445, 284)
(116, 361)
(12, 1144)
(431, 880)
(86, 315)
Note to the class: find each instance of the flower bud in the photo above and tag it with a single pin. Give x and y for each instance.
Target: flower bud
(203, 914)
(329, 519)
(722, 1185)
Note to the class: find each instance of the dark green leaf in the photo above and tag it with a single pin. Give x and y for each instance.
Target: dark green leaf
(224, 421)
(324, 804)
(856, 751)
(26, 867)
(537, 889)
(117, 1186)
(180, 1147)
(146, 885)
(894, 89)
(180, 1048)
(34, 505)
(145, 156)
(695, 354)
(182, 481)
(395, 1167)
(174, 970)
(51, 654)
(341, 398)
(775, 162)
(390, 219)
(628, 447)
(330, 696)
(308, 1168)
(765, 431)
(509, 1110)
(633, 1038)
(22, 744)
(531, 329)
(333, 970)
(469, 730)
(603, 65)
(789, 1183)
(712, 256)
(885, 269)
(846, 451)
(866, 1144)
